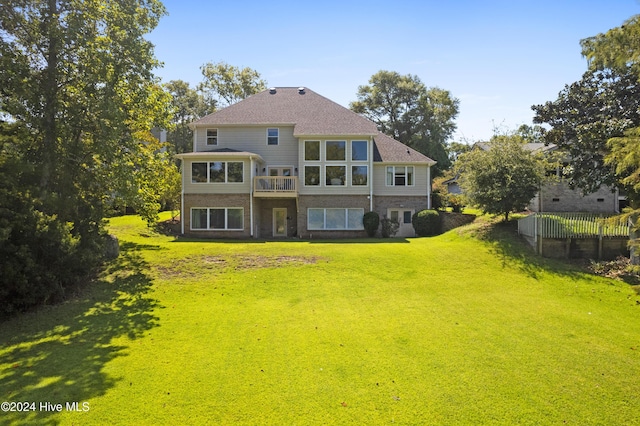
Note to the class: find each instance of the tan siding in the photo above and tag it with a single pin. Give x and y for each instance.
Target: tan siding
(380, 181)
(254, 139)
(215, 188)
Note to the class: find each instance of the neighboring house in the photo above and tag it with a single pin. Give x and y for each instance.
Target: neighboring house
(288, 162)
(453, 187)
(558, 196)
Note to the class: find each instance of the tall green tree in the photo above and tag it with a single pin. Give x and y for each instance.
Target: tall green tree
(587, 113)
(77, 76)
(502, 178)
(619, 49)
(405, 109)
(225, 84)
(616, 49)
(188, 105)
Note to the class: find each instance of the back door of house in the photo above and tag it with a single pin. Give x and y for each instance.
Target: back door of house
(280, 222)
(403, 217)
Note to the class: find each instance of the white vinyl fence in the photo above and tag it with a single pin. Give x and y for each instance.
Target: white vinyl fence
(572, 225)
(575, 234)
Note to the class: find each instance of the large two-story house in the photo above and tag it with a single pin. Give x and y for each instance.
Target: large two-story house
(288, 162)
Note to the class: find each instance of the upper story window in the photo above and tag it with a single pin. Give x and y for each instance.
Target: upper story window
(273, 136)
(400, 176)
(359, 175)
(336, 150)
(217, 172)
(312, 150)
(212, 136)
(359, 151)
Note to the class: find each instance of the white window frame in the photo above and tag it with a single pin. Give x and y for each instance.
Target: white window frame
(406, 174)
(346, 176)
(360, 226)
(326, 144)
(304, 177)
(226, 172)
(277, 136)
(367, 151)
(366, 166)
(226, 218)
(214, 138)
(319, 151)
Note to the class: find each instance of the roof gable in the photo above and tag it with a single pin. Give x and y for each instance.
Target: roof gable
(310, 113)
(388, 150)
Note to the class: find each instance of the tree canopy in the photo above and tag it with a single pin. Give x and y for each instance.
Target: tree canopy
(502, 178)
(587, 113)
(405, 109)
(188, 104)
(225, 84)
(78, 97)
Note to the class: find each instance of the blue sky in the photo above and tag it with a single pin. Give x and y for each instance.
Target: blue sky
(497, 57)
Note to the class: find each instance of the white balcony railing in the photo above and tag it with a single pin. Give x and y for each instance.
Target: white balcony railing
(275, 186)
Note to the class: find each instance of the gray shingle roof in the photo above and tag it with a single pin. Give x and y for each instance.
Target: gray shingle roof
(310, 113)
(388, 150)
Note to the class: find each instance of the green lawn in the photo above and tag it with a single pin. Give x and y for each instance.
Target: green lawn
(462, 328)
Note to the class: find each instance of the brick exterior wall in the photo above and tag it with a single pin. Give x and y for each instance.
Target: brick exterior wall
(558, 197)
(296, 215)
(217, 200)
(264, 216)
(329, 201)
(382, 203)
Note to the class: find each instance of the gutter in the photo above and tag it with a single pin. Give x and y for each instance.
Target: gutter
(371, 142)
(251, 196)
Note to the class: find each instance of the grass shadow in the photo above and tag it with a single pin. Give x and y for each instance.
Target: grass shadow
(57, 354)
(514, 251)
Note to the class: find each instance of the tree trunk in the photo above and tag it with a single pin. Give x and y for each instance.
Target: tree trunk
(50, 108)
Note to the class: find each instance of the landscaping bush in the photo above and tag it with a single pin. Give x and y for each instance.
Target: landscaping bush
(456, 202)
(371, 222)
(389, 227)
(426, 223)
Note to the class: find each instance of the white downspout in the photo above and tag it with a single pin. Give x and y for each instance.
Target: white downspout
(251, 196)
(429, 187)
(370, 173)
(182, 179)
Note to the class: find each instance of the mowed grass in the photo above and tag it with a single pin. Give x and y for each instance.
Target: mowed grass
(464, 328)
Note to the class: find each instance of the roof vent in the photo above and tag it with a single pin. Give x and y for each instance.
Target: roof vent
(272, 90)
(301, 90)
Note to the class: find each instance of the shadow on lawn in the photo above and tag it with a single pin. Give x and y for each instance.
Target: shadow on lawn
(58, 354)
(513, 251)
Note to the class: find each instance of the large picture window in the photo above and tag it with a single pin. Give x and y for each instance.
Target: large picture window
(312, 150)
(217, 172)
(336, 150)
(400, 176)
(312, 175)
(359, 151)
(198, 172)
(217, 219)
(359, 175)
(335, 219)
(336, 175)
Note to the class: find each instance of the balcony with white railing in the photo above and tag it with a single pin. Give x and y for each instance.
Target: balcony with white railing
(275, 186)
